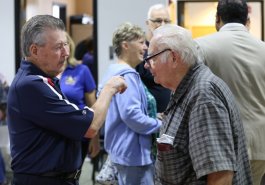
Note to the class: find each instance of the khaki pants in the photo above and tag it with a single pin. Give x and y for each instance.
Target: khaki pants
(258, 170)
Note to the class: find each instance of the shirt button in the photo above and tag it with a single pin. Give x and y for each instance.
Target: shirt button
(84, 112)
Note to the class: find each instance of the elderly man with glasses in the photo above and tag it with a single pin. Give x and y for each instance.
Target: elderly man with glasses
(201, 140)
(157, 16)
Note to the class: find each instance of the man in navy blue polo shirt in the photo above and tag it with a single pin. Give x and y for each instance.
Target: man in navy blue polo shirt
(45, 128)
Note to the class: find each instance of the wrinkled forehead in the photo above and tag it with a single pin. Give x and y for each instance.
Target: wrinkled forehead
(54, 36)
(160, 14)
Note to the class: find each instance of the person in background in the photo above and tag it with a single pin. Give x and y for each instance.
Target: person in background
(157, 15)
(84, 51)
(202, 138)
(79, 87)
(128, 128)
(238, 58)
(45, 128)
(3, 97)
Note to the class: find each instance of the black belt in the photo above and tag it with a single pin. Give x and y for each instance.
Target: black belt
(63, 175)
(60, 175)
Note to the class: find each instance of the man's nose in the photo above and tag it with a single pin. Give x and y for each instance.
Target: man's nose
(163, 23)
(66, 50)
(146, 66)
(145, 46)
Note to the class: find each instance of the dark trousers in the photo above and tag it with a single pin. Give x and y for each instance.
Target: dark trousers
(25, 179)
(84, 146)
(2, 169)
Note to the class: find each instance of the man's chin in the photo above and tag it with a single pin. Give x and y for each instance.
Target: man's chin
(156, 81)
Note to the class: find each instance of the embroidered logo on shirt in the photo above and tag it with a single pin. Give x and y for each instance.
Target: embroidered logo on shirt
(70, 80)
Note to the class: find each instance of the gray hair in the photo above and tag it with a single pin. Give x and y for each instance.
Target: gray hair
(179, 40)
(126, 32)
(154, 7)
(33, 29)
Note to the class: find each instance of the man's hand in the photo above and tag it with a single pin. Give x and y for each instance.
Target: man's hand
(114, 85)
(117, 84)
(94, 146)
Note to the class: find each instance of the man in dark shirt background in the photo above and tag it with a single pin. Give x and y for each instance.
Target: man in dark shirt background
(157, 15)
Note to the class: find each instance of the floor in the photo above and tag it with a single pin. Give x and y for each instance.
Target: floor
(87, 169)
(86, 175)
(85, 178)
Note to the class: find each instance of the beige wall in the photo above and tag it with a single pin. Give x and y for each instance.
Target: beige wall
(73, 7)
(203, 19)
(84, 6)
(199, 17)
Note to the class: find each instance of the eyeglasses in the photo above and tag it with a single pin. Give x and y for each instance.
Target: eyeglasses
(159, 21)
(148, 58)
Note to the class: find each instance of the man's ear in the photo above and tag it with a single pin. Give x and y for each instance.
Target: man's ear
(218, 22)
(33, 50)
(217, 19)
(175, 58)
(147, 22)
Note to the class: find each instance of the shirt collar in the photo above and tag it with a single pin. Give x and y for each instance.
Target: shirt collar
(32, 68)
(187, 80)
(233, 27)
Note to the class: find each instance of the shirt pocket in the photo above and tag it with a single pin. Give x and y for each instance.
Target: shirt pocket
(170, 160)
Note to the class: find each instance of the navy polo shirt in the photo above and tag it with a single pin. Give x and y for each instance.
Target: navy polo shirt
(45, 128)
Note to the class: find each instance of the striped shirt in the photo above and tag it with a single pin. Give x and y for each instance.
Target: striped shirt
(204, 121)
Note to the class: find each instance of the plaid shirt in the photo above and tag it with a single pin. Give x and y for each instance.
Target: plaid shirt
(204, 121)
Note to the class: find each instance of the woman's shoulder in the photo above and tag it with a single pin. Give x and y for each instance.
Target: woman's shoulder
(81, 66)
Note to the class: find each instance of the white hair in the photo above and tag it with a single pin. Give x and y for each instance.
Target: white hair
(154, 7)
(178, 39)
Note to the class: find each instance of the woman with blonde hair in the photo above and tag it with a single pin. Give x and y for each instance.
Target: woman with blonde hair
(128, 128)
(79, 87)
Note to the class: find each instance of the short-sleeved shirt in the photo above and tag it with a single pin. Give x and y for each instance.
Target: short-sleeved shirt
(207, 132)
(45, 128)
(75, 82)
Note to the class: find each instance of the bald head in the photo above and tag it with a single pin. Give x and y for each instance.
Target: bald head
(157, 15)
